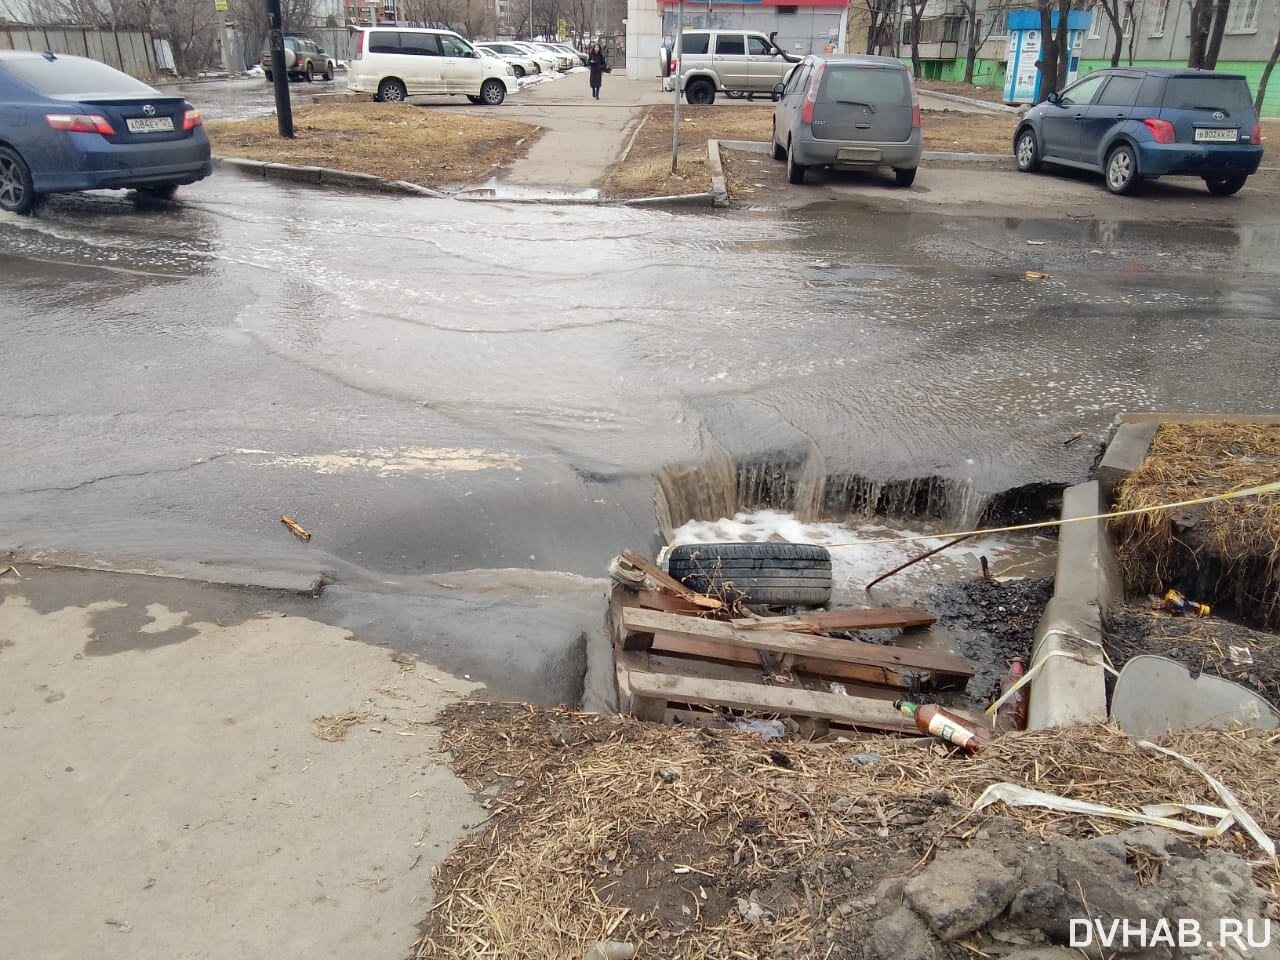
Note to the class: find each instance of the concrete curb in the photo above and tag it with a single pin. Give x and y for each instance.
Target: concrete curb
(747, 146)
(679, 200)
(1072, 689)
(985, 105)
(719, 191)
(322, 176)
(759, 146)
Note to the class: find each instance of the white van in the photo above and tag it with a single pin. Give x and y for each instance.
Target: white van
(394, 63)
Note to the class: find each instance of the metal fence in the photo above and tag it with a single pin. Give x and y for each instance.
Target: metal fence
(133, 51)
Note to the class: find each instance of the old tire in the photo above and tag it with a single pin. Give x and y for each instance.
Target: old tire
(1026, 151)
(492, 92)
(776, 574)
(795, 171)
(392, 91)
(17, 193)
(267, 74)
(1225, 186)
(1121, 170)
(904, 178)
(700, 93)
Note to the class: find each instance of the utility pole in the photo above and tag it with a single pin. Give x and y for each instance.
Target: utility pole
(279, 72)
(530, 19)
(228, 39)
(678, 53)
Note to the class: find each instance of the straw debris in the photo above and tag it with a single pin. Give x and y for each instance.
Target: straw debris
(742, 855)
(1231, 548)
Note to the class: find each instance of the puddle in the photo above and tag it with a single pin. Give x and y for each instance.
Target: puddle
(523, 193)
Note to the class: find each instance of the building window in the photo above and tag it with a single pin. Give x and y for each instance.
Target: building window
(1095, 22)
(389, 8)
(906, 32)
(1126, 25)
(951, 30)
(787, 11)
(1244, 17)
(1158, 18)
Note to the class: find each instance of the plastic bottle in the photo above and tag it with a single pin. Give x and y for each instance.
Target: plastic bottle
(933, 720)
(1180, 606)
(1012, 715)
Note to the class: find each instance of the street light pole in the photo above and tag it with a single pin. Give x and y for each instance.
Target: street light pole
(279, 74)
(530, 19)
(678, 46)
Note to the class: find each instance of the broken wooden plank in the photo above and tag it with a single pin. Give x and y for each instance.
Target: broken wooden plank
(822, 621)
(668, 582)
(657, 600)
(849, 673)
(947, 667)
(651, 692)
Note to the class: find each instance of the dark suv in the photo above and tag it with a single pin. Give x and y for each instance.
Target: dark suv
(303, 59)
(1138, 124)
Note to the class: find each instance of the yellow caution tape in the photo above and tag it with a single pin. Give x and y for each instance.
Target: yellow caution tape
(1232, 495)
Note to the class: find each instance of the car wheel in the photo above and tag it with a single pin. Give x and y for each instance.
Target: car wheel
(309, 74)
(474, 99)
(904, 178)
(391, 91)
(1225, 186)
(268, 75)
(1122, 170)
(492, 92)
(17, 194)
(1026, 151)
(328, 71)
(519, 71)
(778, 574)
(795, 171)
(700, 92)
(778, 152)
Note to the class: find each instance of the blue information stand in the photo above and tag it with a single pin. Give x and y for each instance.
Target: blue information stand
(1022, 75)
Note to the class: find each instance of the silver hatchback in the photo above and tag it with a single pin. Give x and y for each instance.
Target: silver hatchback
(849, 112)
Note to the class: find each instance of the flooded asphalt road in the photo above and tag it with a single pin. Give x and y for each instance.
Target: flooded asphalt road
(440, 386)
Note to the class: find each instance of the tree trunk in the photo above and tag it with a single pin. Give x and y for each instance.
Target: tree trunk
(970, 59)
(1118, 33)
(1063, 42)
(1266, 75)
(1201, 11)
(1220, 10)
(1048, 62)
(915, 39)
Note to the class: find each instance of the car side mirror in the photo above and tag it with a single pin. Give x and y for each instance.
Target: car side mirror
(1055, 99)
(779, 87)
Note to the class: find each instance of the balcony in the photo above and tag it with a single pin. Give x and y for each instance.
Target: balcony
(939, 50)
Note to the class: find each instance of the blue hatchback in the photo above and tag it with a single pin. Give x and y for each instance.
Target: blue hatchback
(1138, 124)
(68, 123)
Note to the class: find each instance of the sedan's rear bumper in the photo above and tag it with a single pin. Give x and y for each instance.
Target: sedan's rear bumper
(855, 154)
(1181, 159)
(93, 163)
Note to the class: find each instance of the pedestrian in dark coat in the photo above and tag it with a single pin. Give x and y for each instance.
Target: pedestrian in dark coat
(598, 66)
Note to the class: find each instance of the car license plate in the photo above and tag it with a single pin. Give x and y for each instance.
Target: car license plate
(1216, 135)
(858, 154)
(150, 125)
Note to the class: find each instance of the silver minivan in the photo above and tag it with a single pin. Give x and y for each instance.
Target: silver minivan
(737, 63)
(848, 111)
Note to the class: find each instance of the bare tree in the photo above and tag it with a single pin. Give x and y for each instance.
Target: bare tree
(1055, 48)
(881, 15)
(916, 9)
(1208, 24)
(1266, 75)
(980, 28)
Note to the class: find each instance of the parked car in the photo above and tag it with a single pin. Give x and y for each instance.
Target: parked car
(1139, 123)
(849, 111)
(563, 60)
(524, 64)
(727, 61)
(576, 57)
(68, 123)
(394, 64)
(547, 62)
(303, 59)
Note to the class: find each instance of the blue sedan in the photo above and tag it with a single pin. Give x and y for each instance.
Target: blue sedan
(69, 123)
(1134, 124)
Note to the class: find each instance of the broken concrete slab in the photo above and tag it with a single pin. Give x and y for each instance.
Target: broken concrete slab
(961, 891)
(1047, 907)
(1124, 454)
(902, 936)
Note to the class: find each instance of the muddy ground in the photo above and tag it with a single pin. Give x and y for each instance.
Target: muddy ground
(1201, 645)
(396, 141)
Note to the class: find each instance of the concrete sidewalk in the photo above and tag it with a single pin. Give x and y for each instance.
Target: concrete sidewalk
(168, 795)
(582, 137)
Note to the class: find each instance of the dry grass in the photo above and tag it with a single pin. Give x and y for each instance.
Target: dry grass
(397, 141)
(957, 132)
(1193, 460)
(990, 94)
(589, 840)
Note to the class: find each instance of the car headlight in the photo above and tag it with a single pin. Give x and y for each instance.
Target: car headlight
(510, 70)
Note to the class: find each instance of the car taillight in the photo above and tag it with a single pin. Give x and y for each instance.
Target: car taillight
(80, 123)
(192, 119)
(1257, 133)
(915, 115)
(675, 65)
(359, 43)
(1161, 130)
(811, 95)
